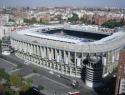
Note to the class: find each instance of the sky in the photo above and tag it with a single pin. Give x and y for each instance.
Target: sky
(74, 3)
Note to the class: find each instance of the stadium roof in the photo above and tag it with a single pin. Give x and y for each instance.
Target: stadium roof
(37, 30)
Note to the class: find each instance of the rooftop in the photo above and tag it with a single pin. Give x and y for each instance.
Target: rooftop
(41, 32)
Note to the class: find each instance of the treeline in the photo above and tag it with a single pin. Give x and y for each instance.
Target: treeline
(114, 23)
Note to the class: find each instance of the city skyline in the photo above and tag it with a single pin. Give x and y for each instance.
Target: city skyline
(74, 3)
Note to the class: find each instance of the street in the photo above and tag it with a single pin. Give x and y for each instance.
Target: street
(52, 83)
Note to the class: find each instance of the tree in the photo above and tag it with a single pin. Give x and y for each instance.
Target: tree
(33, 20)
(74, 18)
(41, 21)
(9, 92)
(26, 20)
(30, 21)
(24, 86)
(11, 20)
(16, 80)
(113, 23)
(4, 75)
(29, 82)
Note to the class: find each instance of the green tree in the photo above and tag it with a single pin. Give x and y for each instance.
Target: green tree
(74, 19)
(4, 75)
(9, 92)
(16, 80)
(33, 20)
(11, 20)
(26, 20)
(113, 23)
(24, 86)
(29, 82)
(30, 21)
(41, 21)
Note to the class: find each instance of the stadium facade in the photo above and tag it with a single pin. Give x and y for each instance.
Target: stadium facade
(55, 48)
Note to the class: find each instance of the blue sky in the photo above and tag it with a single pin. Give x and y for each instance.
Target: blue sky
(77, 3)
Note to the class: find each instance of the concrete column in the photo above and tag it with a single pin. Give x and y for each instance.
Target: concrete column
(34, 49)
(64, 56)
(14, 45)
(24, 49)
(52, 53)
(42, 52)
(28, 47)
(60, 55)
(21, 46)
(45, 52)
(69, 59)
(38, 53)
(17, 45)
(48, 53)
(113, 57)
(55, 54)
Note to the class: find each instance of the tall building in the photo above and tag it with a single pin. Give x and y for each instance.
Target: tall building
(120, 82)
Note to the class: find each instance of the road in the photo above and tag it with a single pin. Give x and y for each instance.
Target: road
(51, 82)
(6, 65)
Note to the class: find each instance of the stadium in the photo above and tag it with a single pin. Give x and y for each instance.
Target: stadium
(77, 51)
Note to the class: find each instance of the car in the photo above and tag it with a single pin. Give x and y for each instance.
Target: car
(27, 62)
(51, 72)
(74, 93)
(6, 53)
